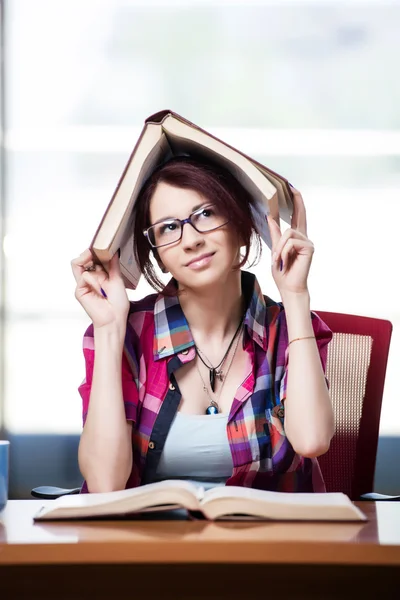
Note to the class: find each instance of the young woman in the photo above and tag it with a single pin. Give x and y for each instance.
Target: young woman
(206, 379)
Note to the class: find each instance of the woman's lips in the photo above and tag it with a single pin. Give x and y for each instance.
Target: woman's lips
(201, 261)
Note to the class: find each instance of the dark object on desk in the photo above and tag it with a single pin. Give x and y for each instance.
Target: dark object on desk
(375, 497)
(356, 369)
(50, 492)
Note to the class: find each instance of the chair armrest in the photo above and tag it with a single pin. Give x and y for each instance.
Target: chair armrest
(374, 496)
(49, 492)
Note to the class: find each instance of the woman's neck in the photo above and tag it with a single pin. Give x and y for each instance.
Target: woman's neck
(214, 314)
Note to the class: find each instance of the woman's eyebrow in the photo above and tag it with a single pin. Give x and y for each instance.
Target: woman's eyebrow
(164, 219)
(197, 207)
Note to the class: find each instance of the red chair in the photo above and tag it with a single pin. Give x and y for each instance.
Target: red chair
(356, 369)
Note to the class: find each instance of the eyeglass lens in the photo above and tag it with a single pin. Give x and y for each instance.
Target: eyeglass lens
(170, 230)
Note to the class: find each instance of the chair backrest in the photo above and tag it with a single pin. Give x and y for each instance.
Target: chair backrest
(356, 369)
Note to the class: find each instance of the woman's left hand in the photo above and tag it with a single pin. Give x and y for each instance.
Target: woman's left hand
(292, 251)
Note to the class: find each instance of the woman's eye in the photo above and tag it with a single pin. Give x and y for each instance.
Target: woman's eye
(167, 227)
(207, 212)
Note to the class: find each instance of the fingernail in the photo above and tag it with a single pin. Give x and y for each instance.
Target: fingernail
(291, 185)
(103, 292)
(281, 265)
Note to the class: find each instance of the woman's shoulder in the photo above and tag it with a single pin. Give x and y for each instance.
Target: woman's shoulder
(276, 317)
(274, 309)
(272, 304)
(143, 305)
(141, 316)
(275, 312)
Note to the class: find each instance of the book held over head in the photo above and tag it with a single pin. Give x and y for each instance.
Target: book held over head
(165, 135)
(216, 503)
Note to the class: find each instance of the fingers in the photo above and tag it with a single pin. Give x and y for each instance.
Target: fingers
(275, 232)
(82, 262)
(293, 248)
(89, 276)
(299, 217)
(88, 282)
(85, 262)
(289, 233)
(114, 268)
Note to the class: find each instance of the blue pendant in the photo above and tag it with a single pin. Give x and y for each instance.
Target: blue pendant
(212, 410)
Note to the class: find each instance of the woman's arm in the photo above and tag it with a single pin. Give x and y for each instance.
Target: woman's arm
(309, 422)
(105, 449)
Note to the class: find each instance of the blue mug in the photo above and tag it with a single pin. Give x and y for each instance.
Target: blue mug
(4, 459)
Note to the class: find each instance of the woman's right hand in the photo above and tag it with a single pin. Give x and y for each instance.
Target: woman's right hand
(110, 307)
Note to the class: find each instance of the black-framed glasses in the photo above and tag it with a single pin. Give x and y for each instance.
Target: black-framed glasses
(169, 231)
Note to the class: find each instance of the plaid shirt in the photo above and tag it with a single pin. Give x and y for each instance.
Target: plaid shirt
(158, 342)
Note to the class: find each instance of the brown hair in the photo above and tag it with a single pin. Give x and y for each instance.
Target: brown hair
(212, 182)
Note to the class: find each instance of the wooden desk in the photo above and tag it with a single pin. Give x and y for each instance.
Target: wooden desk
(198, 559)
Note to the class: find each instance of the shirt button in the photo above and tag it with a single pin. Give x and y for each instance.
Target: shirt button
(171, 387)
(151, 445)
(185, 351)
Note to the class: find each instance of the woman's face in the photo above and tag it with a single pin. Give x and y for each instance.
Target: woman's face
(198, 260)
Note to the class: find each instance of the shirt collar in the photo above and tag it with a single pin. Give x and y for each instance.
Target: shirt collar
(172, 334)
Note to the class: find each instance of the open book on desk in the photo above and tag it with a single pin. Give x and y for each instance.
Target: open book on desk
(222, 502)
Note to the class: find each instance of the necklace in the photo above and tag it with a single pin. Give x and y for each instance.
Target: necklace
(213, 407)
(217, 371)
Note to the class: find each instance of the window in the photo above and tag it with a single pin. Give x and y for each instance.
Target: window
(306, 87)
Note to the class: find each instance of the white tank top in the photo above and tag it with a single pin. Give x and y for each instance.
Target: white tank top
(196, 448)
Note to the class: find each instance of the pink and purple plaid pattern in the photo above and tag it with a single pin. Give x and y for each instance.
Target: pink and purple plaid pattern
(158, 341)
